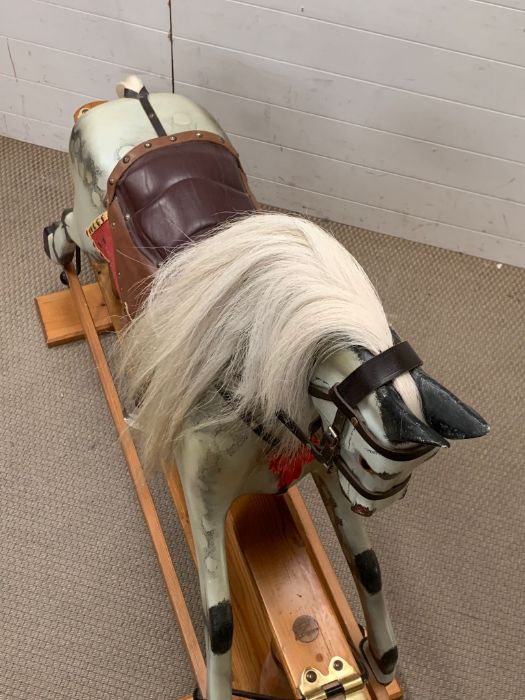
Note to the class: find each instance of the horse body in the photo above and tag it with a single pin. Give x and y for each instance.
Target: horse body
(238, 349)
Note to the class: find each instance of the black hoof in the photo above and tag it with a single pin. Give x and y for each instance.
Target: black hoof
(48, 231)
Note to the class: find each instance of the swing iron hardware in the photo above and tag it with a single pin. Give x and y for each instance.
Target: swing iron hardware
(342, 679)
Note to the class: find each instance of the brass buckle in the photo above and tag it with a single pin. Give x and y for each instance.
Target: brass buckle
(342, 679)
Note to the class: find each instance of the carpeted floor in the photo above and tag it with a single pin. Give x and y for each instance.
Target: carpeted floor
(83, 609)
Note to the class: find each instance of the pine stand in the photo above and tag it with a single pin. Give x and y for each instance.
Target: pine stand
(295, 634)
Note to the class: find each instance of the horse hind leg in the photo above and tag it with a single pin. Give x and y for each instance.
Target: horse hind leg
(58, 244)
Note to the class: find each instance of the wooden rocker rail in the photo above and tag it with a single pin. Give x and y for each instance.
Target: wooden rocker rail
(289, 609)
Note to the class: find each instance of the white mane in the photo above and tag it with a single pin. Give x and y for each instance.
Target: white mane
(250, 309)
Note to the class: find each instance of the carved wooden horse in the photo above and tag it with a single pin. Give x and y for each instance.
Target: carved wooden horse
(261, 352)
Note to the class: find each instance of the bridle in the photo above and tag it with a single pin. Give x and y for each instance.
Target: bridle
(324, 444)
(346, 395)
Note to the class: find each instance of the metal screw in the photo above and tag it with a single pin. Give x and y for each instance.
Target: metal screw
(126, 159)
(305, 629)
(147, 144)
(311, 676)
(338, 664)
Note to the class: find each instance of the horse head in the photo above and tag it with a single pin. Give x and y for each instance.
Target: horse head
(389, 430)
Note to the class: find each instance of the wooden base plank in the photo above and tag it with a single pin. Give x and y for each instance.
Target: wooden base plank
(114, 307)
(325, 572)
(304, 625)
(60, 319)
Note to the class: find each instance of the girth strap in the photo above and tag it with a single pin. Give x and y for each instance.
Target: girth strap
(374, 373)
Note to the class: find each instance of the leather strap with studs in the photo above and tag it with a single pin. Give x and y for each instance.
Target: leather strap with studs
(160, 142)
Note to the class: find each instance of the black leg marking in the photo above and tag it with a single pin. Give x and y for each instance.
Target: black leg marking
(388, 661)
(369, 571)
(221, 627)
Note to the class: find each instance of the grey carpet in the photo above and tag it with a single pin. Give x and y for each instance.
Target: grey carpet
(83, 609)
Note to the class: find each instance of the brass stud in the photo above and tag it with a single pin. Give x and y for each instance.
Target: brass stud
(173, 138)
(126, 159)
(311, 676)
(127, 217)
(111, 180)
(147, 144)
(198, 135)
(113, 223)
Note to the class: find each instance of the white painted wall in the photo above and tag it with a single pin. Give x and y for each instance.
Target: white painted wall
(400, 116)
(56, 55)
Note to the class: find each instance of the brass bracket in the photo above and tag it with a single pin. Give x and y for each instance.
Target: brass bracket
(342, 679)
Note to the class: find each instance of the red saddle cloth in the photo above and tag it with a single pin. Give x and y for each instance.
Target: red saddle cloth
(163, 194)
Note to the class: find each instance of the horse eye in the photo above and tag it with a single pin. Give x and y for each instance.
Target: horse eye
(364, 464)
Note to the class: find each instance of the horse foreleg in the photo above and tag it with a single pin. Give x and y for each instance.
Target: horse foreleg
(207, 507)
(380, 648)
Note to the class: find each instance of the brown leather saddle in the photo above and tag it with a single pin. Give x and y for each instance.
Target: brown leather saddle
(163, 194)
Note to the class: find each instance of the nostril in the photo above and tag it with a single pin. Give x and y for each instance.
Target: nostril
(365, 464)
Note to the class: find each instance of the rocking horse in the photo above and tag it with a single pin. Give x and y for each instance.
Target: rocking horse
(256, 350)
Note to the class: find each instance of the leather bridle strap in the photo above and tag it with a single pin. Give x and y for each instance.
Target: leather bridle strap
(143, 98)
(371, 375)
(374, 373)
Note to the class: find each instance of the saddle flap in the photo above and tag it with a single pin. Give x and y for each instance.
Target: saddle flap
(166, 193)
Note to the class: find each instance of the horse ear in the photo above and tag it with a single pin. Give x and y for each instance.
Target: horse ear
(449, 416)
(401, 425)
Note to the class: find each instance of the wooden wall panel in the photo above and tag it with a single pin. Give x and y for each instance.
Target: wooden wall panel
(382, 112)
(463, 26)
(339, 50)
(402, 119)
(350, 100)
(151, 14)
(57, 54)
(87, 35)
(393, 223)
(397, 194)
(38, 101)
(34, 131)
(362, 146)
